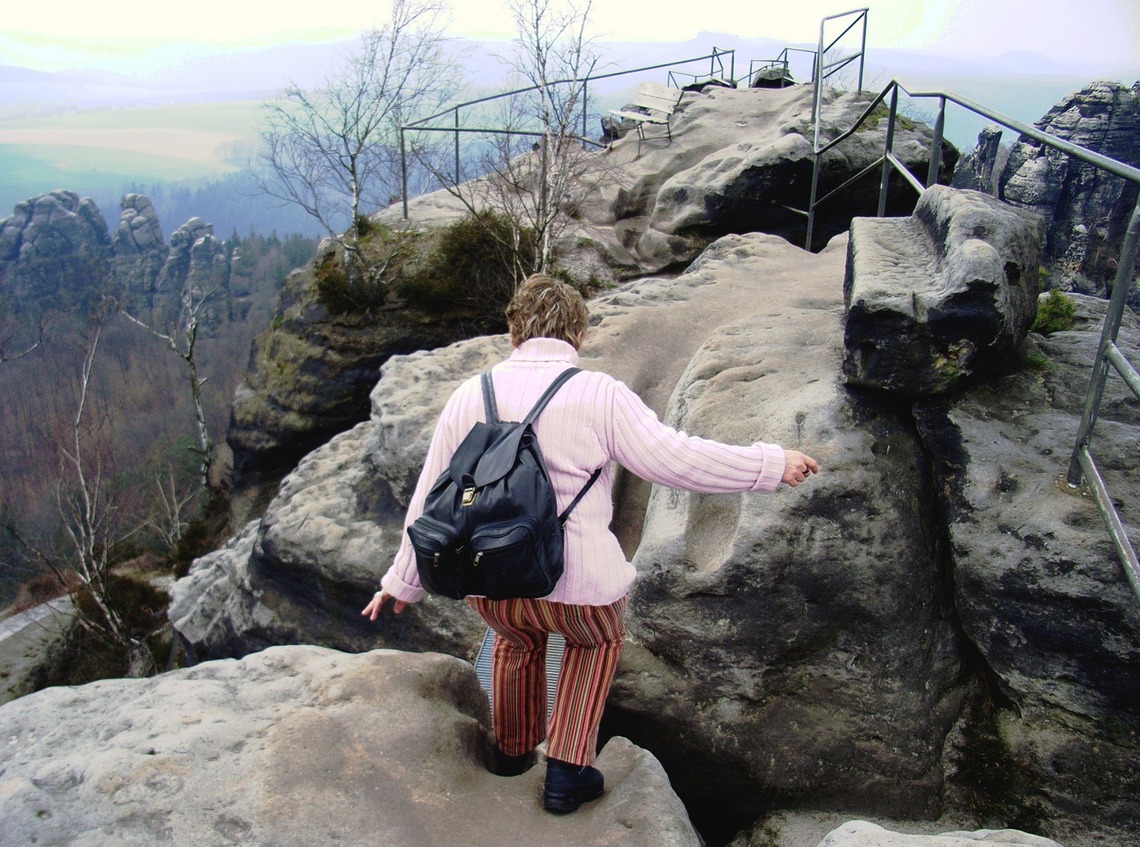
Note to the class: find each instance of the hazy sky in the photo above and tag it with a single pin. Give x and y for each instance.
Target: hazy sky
(80, 33)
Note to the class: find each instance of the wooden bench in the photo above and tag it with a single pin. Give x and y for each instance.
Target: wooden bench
(659, 101)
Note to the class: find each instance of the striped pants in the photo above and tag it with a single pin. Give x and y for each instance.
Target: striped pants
(518, 673)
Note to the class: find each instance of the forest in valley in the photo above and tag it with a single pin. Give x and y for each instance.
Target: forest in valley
(137, 433)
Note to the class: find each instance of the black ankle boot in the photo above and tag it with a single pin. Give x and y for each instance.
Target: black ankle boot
(568, 786)
(513, 765)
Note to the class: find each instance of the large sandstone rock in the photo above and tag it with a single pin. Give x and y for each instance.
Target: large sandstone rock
(140, 252)
(1085, 210)
(308, 379)
(197, 264)
(816, 647)
(941, 298)
(55, 253)
(975, 170)
(864, 834)
(277, 581)
(1040, 590)
(737, 161)
(743, 346)
(297, 747)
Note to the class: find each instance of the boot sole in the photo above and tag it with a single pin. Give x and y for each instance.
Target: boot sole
(569, 801)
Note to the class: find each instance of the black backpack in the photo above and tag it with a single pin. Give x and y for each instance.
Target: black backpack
(490, 524)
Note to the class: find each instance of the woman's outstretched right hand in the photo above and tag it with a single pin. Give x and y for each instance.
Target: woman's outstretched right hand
(798, 467)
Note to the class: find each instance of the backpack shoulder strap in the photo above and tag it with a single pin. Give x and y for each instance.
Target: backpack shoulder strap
(489, 406)
(566, 512)
(559, 381)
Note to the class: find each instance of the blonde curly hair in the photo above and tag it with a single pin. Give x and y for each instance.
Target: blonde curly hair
(544, 307)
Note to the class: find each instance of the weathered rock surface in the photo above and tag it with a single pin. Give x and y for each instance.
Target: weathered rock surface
(199, 263)
(738, 158)
(140, 252)
(1040, 589)
(864, 834)
(308, 379)
(55, 253)
(816, 647)
(942, 298)
(299, 746)
(975, 170)
(1086, 211)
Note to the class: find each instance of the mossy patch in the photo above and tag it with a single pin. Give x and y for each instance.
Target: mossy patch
(1055, 313)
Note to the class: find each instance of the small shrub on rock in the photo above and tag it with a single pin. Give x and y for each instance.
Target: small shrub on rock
(473, 269)
(1054, 314)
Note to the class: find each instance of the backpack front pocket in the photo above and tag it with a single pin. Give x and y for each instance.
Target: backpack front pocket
(509, 559)
(440, 557)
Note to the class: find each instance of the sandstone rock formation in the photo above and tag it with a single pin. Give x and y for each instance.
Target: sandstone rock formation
(1085, 210)
(1037, 580)
(739, 161)
(140, 252)
(55, 253)
(975, 170)
(895, 638)
(863, 834)
(198, 263)
(308, 379)
(736, 160)
(296, 747)
(941, 298)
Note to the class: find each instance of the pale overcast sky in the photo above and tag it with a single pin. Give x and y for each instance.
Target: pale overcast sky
(82, 33)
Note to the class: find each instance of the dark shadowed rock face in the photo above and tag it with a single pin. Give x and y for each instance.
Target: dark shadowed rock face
(975, 170)
(942, 298)
(1041, 591)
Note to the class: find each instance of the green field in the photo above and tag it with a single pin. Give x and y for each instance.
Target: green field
(100, 153)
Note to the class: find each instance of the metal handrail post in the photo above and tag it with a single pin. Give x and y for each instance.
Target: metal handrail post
(863, 49)
(811, 200)
(585, 105)
(936, 145)
(888, 149)
(457, 145)
(817, 75)
(404, 172)
(1108, 335)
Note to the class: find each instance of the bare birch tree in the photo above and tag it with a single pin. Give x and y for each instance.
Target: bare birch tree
(183, 340)
(334, 151)
(93, 524)
(539, 169)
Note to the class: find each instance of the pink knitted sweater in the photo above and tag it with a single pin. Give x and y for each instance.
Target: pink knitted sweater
(592, 420)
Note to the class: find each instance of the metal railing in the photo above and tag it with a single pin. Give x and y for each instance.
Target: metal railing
(1082, 464)
(716, 61)
(825, 69)
(716, 70)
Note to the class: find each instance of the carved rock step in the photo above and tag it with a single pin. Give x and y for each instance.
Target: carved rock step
(942, 298)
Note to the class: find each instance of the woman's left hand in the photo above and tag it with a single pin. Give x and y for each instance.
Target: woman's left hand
(372, 610)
